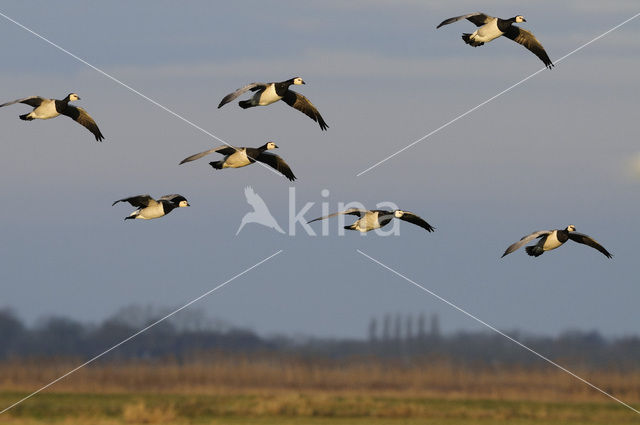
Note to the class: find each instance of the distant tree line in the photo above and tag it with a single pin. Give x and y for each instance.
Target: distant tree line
(403, 328)
(398, 338)
(181, 335)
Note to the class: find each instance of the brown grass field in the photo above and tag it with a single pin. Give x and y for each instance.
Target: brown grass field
(272, 389)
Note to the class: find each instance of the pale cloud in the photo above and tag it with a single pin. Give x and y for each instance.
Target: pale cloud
(492, 6)
(356, 65)
(599, 6)
(632, 167)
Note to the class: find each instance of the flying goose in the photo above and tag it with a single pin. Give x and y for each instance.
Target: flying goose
(375, 219)
(241, 157)
(44, 109)
(268, 93)
(552, 239)
(149, 208)
(492, 28)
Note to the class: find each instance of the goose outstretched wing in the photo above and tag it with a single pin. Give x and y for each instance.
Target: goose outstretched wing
(139, 201)
(253, 87)
(34, 101)
(302, 104)
(525, 240)
(415, 219)
(528, 40)
(588, 240)
(350, 211)
(275, 161)
(478, 18)
(224, 150)
(81, 116)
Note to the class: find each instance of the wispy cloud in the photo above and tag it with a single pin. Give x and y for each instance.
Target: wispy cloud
(358, 65)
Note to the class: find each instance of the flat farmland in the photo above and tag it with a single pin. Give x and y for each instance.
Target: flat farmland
(270, 390)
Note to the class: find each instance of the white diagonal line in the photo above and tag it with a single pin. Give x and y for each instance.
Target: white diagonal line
(482, 322)
(112, 78)
(140, 331)
(426, 136)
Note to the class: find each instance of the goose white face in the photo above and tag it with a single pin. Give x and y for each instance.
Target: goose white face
(183, 204)
(398, 213)
(271, 145)
(520, 18)
(73, 97)
(298, 81)
(571, 228)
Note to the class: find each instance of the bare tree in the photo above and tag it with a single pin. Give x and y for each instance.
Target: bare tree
(386, 327)
(409, 328)
(435, 326)
(422, 326)
(397, 328)
(373, 330)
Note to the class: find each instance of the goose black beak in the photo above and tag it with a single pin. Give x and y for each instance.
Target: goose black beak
(524, 20)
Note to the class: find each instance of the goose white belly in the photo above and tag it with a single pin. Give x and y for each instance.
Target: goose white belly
(487, 32)
(551, 241)
(236, 160)
(149, 213)
(45, 111)
(267, 96)
(368, 222)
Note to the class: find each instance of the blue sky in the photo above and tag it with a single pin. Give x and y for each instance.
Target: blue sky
(553, 151)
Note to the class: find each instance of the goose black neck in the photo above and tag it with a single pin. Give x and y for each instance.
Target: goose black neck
(504, 24)
(563, 235)
(168, 206)
(282, 87)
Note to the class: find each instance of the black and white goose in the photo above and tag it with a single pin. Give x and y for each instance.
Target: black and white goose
(44, 109)
(375, 219)
(149, 208)
(268, 93)
(241, 157)
(552, 239)
(492, 28)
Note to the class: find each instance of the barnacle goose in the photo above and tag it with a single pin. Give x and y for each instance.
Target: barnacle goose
(492, 28)
(375, 219)
(149, 208)
(552, 239)
(44, 109)
(241, 157)
(268, 93)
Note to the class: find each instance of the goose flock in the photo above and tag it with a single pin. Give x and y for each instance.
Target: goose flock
(264, 94)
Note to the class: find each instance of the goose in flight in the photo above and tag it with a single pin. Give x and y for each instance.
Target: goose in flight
(241, 157)
(149, 208)
(44, 109)
(492, 28)
(552, 239)
(268, 93)
(375, 219)
(260, 213)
